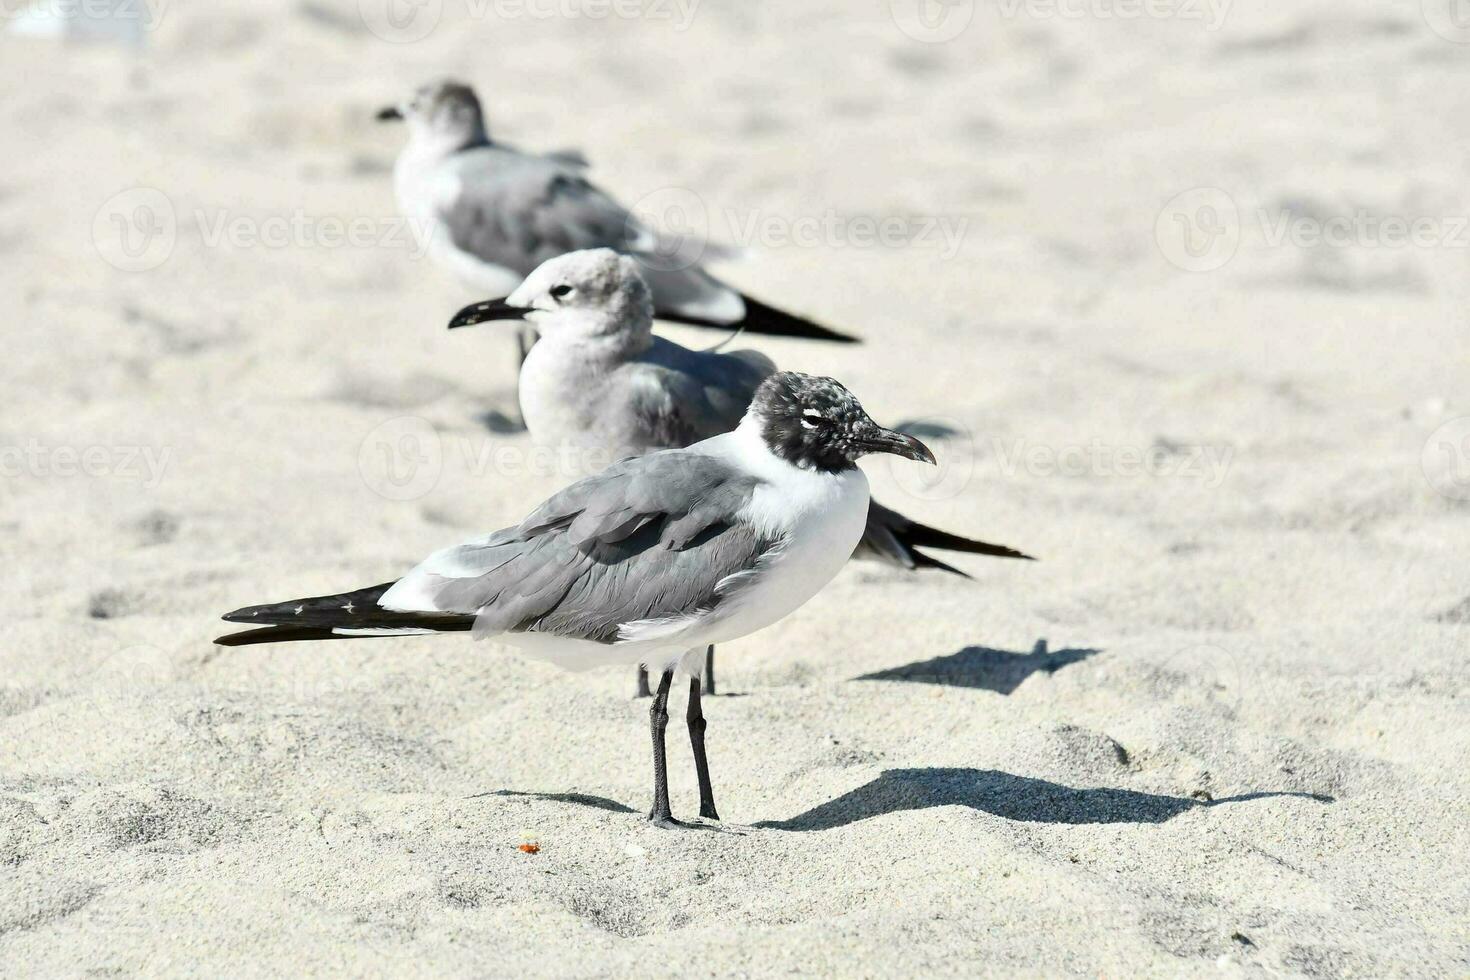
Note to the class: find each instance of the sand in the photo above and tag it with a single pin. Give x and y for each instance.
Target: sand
(1221, 728)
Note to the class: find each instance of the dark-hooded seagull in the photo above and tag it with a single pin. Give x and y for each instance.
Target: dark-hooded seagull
(647, 562)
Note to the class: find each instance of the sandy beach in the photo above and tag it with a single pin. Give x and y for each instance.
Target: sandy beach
(1186, 289)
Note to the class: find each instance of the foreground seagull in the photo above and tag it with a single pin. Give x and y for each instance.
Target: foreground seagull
(599, 380)
(649, 561)
(492, 214)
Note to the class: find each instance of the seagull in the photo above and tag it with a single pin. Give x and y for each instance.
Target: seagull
(492, 214)
(600, 381)
(647, 562)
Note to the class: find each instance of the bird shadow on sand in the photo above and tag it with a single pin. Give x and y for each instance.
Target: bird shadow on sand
(927, 428)
(501, 423)
(1001, 671)
(1003, 795)
(580, 799)
(613, 806)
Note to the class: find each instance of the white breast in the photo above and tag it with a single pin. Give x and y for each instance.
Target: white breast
(557, 395)
(575, 394)
(822, 517)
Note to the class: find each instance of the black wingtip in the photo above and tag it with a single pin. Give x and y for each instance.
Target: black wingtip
(246, 614)
(763, 319)
(1000, 551)
(760, 318)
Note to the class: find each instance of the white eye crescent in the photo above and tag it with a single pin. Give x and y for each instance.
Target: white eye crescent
(809, 414)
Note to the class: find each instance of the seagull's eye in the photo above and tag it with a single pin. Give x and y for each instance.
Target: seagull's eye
(558, 292)
(813, 420)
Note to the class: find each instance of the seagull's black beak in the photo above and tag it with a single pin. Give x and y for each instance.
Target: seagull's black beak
(880, 440)
(390, 114)
(491, 309)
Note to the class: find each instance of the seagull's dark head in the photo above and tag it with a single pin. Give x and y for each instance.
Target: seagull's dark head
(594, 293)
(816, 423)
(445, 110)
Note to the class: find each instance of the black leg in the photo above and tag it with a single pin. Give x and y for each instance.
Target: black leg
(709, 670)
(643, 690)
(695, 718)
(658, 720)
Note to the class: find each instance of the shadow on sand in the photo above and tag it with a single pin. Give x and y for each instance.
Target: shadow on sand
(1004, 795)
(580, 799)
(1001, 671)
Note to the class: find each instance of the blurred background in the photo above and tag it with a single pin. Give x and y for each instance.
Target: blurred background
(1184, 281)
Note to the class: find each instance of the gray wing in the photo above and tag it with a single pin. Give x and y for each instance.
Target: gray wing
(654, 538)
(680, 396)
(517, 211)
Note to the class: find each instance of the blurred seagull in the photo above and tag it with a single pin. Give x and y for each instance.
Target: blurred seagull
(492, 214)
(599, 380)
(648, 561)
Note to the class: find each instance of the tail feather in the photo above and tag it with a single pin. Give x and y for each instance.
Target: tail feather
(275, 634)
(760, 318)
(334, 617)
(922, 560)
